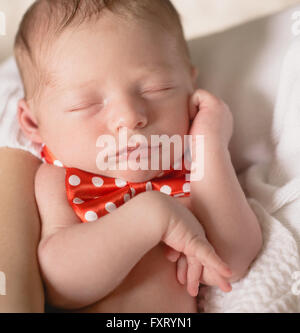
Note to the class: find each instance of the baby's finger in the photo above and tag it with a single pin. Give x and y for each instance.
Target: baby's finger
(193, 275)
(208, 257)
(182, 269)
(222, 283)
(204, 99)
(218, 280)
(171, 254)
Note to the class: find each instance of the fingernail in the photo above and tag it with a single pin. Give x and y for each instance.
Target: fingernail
(229, 287)
(173, 257)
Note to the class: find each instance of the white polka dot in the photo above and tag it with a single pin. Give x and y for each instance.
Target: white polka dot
(97, 181)
(186, 187)
(120, 182)
(149, 186)
(77, 201)
(74, 180)
(178, 195)
(126, 197)
(166, 189)
(110, 207)
(188, 177)
(58, 163)
(91, 216)
(132, 191)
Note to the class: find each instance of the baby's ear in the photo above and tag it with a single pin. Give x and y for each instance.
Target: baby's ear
(28, 122)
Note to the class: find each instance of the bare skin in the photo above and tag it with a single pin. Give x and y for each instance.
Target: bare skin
(151, 286)
(19, 233)
(153, 275)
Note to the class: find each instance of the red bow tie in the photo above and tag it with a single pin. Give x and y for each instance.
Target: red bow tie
(92, 196)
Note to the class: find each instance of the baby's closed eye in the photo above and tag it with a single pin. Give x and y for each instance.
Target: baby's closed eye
(86, 106)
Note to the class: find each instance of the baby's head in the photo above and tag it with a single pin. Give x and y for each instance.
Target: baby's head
(94, 67)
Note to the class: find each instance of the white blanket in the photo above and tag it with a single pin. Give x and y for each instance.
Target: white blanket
(273, 191)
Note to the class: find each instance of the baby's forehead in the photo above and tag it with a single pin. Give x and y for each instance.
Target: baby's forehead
(74, 61)
(62, 79)
(89, 73)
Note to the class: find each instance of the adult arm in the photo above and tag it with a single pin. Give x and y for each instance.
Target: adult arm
(19, 233)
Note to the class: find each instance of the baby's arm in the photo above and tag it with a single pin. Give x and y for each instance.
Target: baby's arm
(19, 233)
(220, 204)
(83, 262)
(218, 200)
(75, 257)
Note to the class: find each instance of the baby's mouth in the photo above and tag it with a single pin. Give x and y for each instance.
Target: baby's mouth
(126, 151)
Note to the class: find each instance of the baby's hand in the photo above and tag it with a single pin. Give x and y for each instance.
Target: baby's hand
(208, 276)
(211, 118)
(184, 234)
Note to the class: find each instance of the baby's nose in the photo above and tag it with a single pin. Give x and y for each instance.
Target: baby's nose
(130, 114)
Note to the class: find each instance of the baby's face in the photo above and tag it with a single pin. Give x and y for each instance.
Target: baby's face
(110, 76)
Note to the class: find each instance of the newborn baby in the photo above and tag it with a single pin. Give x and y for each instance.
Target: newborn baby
(92, 68)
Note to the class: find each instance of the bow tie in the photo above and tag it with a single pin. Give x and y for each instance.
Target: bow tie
(92, 196)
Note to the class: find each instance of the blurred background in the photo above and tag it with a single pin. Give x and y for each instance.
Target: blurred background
(200, 17)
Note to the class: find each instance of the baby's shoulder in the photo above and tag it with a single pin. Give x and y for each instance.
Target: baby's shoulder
(49, 185)
(51, 198)
(49, 179)
(51, 170)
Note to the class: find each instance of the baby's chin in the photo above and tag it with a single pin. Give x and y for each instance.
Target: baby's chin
(131, 176)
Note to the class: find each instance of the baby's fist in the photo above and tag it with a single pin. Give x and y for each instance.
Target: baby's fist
(211, 118)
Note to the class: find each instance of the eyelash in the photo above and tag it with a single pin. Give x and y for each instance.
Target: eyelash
(162, 90)
(85, 107)
(157, 90)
